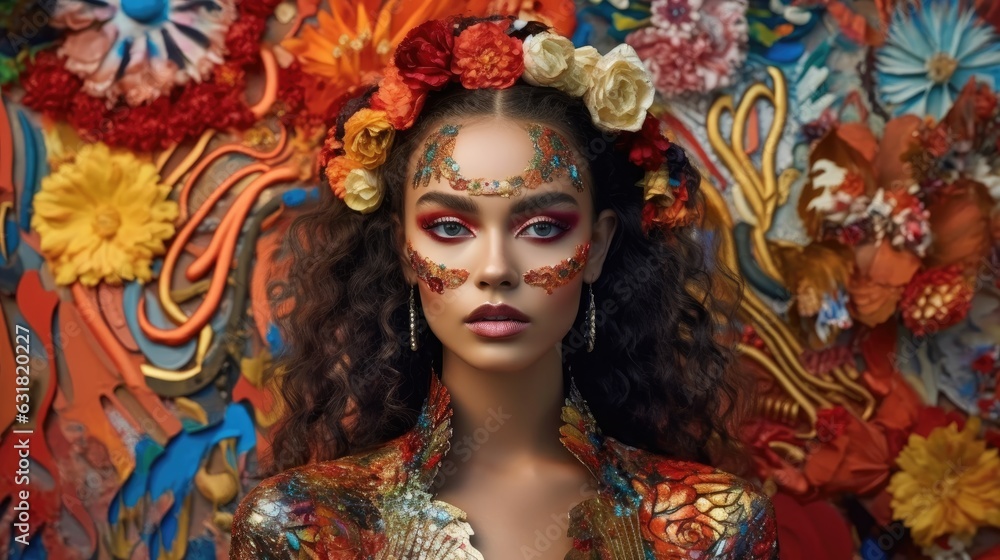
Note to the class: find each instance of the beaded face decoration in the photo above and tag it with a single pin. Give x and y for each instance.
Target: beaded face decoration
(436, 276)
(552, 277)
(553, 159)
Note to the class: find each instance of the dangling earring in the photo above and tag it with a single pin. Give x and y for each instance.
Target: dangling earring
(591, 322)
(413, 321)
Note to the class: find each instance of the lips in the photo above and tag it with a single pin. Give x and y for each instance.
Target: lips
(501, 312)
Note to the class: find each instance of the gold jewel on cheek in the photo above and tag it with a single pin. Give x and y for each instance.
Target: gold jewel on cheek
(436, 276)
(552, 277)
(553, 158)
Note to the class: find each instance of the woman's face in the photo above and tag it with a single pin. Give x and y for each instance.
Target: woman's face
(499, 212)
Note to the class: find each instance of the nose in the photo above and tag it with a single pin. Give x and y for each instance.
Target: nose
(496, 267)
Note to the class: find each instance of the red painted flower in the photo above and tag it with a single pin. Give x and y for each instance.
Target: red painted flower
(649, 145)
(936, 299)
(424, 57)
(486, 57)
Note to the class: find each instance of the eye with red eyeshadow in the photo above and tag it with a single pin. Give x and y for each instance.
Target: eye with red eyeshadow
(544, 228)
(446, 228)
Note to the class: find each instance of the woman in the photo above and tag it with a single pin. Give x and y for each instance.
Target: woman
(504, 343)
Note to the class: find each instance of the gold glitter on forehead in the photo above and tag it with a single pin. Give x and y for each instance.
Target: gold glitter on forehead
(552, 159)
(552, 277)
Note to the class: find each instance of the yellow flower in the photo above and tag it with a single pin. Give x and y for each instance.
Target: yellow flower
(657, 183)
(361, 191)
(368, 135)
(103, 216)
(948, 484)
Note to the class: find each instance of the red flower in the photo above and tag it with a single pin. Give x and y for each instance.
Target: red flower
(486, 57)
(649, 145)
(424, 57)
(936, 299)
(401, 103)
(831, 422)
(933, 417)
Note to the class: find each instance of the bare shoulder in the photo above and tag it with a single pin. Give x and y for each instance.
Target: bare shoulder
(689, 507)
(322, 508)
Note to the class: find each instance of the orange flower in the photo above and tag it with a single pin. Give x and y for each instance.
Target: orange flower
(486, 57)
(877, 284)
(400, 103)
(336, 173)
(367, 137)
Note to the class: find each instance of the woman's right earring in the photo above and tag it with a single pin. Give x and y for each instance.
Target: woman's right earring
(413, 321)
(591, 323)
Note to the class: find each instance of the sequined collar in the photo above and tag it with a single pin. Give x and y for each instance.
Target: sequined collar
(429, 442)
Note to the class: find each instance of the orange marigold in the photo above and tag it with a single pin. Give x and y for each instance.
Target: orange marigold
(336, 172)
(486, 57)
(400, 103)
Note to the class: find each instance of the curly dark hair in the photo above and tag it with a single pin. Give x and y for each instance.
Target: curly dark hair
(662, 376)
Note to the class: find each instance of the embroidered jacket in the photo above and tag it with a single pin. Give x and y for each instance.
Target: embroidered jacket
(378, 505)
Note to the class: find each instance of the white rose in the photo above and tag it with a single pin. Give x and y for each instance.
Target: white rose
(361, 191)
(550, 60)
(621, 91)
(581, 75)
(547, 58)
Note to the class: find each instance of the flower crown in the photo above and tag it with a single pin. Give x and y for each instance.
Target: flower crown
(487, 53)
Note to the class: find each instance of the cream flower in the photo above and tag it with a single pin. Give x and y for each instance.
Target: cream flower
(621, 92)
(103, 217)
(550, 60)
(361, 191)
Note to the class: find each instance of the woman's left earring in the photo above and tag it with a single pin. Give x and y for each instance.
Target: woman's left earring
(591, 322)
(413, 321)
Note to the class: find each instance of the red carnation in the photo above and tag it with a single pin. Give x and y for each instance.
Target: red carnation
(486, 57)
(424, 57)
(649, 145)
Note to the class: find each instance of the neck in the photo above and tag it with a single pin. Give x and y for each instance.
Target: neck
(506, 421)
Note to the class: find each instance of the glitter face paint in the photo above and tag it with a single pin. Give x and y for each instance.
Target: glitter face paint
(552, 277)
(552, 160)
(436, 276)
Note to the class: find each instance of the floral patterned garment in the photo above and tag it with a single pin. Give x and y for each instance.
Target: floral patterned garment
(377, 504)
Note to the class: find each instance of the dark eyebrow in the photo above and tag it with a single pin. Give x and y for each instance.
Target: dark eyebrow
(523, 205)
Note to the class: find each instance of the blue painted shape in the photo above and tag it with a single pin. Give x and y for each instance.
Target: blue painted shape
(146, 452)
(160, 355)
(12, 237)
(34, 551)
(274, 340)
(31, 170)
(173, 471)
(202, 548)
(145, 11)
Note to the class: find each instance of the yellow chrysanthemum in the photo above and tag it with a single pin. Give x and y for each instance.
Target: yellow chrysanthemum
(949, 484)
(103, 216)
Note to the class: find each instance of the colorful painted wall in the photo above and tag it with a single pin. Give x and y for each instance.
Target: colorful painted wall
(152, 153)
